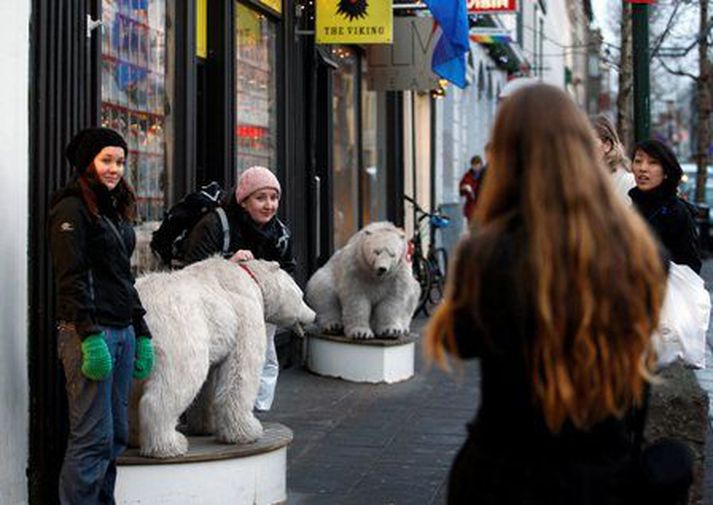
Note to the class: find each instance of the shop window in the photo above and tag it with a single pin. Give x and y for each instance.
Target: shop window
(133, 95)
(255, 90)
(373, 171)
(345, 149)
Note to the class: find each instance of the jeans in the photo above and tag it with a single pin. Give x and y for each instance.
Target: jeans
(98, 424)
(270, 371)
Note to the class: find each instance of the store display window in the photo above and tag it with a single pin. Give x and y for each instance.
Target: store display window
(133, 95)
(373, 170)
(255, 89)
(345, 165)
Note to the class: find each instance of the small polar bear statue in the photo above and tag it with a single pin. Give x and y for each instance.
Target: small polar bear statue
(208, 327)
(367, 288)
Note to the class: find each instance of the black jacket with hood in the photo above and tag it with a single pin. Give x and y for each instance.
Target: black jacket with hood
(271, 242)
(92, 263)
(672, 222)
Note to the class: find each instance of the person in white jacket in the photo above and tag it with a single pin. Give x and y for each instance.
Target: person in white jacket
(614, 156)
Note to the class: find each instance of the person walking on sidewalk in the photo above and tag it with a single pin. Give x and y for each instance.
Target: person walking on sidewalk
(657, 174)
(614, 155)
(255, 233)
(470, 185)
(103, 338)
(557, 291)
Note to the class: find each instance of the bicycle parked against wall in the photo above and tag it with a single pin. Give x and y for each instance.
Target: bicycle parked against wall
(429, 267)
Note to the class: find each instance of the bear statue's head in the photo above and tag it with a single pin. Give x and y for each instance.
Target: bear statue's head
(282, 297)
(383, 247)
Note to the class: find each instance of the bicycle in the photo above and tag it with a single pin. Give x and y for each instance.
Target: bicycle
(429, 269)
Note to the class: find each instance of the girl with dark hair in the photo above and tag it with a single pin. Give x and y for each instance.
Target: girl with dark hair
(657, 173)
(557, 291)
(102, 333)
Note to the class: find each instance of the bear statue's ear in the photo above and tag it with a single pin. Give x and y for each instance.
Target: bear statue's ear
(273, 266)
(367, 232)
(401, 232)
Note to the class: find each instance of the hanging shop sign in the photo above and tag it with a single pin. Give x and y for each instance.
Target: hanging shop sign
(406, 64)
(484, 35)
(354, 22)
(492, 6)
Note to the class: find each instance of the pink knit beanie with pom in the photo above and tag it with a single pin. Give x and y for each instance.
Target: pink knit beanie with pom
(254, 179)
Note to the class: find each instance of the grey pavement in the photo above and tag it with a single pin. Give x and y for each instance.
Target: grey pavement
(361, 444)
(705, 379)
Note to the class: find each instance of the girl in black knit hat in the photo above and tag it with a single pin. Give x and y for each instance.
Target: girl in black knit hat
(657, 174)
(103, 339)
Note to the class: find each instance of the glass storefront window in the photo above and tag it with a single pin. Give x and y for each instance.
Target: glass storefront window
(255, 90)
(373, 173)
(133, 94)
(345, 149)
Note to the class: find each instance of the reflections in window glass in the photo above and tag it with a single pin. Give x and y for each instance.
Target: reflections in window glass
(255, 90)
(373, 173)
(133, 94)
(345, 150)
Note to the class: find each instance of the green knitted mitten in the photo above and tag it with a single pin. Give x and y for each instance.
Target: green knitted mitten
(143, 364)
(96, 360)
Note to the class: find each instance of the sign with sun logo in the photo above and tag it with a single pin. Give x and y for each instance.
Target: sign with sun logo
(354, 22)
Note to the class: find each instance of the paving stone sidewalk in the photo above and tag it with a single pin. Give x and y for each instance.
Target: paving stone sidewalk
(359, 444)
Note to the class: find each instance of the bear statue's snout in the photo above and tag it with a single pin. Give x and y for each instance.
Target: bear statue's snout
(381, 271)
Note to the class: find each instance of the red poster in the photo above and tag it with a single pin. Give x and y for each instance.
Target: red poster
(492, 6)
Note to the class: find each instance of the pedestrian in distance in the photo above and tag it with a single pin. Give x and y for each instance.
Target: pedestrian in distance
(657, 174)
(614, 156)
(470, 185)
(557, 290)
(255, 233)
(103, 339)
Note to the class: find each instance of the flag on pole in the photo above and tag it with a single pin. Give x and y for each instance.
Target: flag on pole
(449, 56)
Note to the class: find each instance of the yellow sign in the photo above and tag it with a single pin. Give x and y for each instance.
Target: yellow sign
(275, 5)
(354, 22)
(201, 28)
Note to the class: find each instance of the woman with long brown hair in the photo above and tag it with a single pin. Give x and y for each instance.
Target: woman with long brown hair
(557, 291)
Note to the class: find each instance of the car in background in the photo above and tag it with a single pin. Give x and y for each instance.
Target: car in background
(687, 191)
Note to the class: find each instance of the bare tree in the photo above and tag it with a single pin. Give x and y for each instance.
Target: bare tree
(624, 100)
(703, 82)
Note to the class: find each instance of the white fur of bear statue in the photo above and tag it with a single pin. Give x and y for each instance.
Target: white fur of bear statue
(367, 288)
(208, 328)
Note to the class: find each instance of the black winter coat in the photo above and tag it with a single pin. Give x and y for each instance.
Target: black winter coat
(510, 456)
(272, 242)
(672, 222)
(92, 264)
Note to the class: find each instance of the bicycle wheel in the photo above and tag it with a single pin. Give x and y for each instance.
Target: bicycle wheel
(440, 256)
(421, 271)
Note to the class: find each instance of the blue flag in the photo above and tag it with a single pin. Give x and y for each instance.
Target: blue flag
(449, 56)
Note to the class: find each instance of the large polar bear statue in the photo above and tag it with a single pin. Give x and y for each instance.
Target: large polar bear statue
(367, 288)
(208, 327)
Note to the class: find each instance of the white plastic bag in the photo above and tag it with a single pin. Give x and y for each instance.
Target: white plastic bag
(684, 319)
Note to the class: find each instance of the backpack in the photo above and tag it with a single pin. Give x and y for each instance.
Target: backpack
(168, 241)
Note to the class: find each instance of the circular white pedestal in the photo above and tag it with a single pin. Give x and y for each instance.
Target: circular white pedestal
(373, 360)
(210, 473)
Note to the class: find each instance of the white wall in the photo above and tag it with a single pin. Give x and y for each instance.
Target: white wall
(14, 176)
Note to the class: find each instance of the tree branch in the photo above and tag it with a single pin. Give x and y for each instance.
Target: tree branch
(664, 34)
(678, 71)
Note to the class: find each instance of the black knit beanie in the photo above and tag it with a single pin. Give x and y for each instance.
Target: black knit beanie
(86, 144)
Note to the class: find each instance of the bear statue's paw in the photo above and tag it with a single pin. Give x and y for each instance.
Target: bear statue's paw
(360, 333)
(243, 431)
(391, 332)
(169, 445)
(332, 328)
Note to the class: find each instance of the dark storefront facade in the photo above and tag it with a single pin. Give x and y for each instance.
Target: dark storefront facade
(201, 90)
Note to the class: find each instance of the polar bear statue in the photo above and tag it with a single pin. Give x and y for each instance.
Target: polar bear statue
(208, 327)
(366, 288)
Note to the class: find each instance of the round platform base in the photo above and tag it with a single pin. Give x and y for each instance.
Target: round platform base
(210, 473)
(374, 360)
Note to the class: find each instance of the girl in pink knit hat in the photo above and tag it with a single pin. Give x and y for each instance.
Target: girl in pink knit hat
(255, 232)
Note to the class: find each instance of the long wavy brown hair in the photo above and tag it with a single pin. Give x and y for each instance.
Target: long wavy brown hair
(591, 272)
(616, 156)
